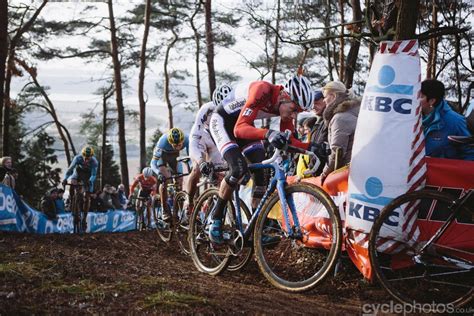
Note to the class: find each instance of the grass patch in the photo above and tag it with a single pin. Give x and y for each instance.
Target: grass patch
(151, 281)
(22, 269)
(170, 299)
(87, 288)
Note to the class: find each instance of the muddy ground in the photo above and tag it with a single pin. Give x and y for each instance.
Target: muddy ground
(134, 272)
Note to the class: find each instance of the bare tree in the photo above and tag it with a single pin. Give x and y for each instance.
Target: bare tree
(51, 110)
(407, 19)
(141, 81)
(167, 77)
(105, 96)
(10, 68)
(275, 49)
(433, 45)
(355, 44)
(118, 98)
(209, 46)
(341, 42)
(3, 47)
(197, 40)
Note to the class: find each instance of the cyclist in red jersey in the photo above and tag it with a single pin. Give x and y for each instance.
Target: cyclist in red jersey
(147, 184)
(234, 132)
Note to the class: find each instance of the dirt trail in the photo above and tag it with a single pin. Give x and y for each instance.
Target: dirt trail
(134, 272)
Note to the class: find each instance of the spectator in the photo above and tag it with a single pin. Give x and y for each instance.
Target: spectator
(300, 128)
(304, 160)
(320, 130)
(122, 196)
(97, 204)
(10, 174)
(60, 205)
(110, 198)
(440, 121)
(48, 205)
(340, 116)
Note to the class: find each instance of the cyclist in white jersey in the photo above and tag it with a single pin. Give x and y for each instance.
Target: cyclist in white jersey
(202, 149)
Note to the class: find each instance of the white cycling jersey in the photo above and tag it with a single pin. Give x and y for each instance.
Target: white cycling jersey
(201, 146)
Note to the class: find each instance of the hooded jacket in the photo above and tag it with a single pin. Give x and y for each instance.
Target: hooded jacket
(438, 125)
(341, 118)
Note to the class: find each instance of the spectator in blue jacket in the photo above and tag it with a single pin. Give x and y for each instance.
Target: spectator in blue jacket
(440, 121)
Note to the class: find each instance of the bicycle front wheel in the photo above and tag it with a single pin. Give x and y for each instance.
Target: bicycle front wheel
(299, 257)
(182, 221)
(207, 257)
(428, 257)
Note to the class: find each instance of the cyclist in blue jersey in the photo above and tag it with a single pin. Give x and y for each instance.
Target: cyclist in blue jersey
(84, 168)
(164, 162)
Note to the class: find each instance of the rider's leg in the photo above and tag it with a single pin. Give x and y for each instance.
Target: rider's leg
(164, 193)
(191, 184)
(237, 170)
(255, 152)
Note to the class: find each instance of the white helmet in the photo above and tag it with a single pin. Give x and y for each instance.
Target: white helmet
(220, 93)
(147, 172)
(300, 90)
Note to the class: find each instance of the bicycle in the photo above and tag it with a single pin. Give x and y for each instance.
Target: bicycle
(286, 254)
(430, 257)
(80, 204)
(144, 206)
(176, 201)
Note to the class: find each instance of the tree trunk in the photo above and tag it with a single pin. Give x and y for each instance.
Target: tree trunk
(197, 39)
(119, 99)
(141, 81)
(105, 97)
(10, 64)
(407, 19)
(355, 45)
(167, 79)
(3, 52)
(52, 111)
(210, 47)
(275, 50)
(456, 70)
(433, 46)
(341, 43)
(327, 24)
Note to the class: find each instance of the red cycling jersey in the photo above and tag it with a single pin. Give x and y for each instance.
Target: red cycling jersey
(148, 184)
(261, 102)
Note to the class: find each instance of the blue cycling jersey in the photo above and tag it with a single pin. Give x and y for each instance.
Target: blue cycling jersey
(81, 165)
(163, 146)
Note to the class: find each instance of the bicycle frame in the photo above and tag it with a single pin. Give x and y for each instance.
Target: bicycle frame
(278, 182)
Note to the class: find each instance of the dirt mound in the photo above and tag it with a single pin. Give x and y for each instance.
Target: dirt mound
(134, 272)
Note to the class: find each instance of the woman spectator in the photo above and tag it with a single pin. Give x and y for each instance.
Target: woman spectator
(340, 116)
(440, 121)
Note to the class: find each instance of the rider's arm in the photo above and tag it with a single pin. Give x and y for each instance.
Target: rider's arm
(186, 144)
(70, 170)
(259, 95)
(157, 152)
(134, 185)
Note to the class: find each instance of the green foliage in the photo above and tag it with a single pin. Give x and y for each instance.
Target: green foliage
(36, 174)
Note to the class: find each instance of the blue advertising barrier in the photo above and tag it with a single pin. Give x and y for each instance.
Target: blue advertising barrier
(16, 215)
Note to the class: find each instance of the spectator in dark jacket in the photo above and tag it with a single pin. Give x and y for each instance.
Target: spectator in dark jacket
(110, 198)
(97, 205)
(48, 205)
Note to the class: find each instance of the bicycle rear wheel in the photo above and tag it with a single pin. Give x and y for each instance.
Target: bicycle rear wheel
(182, 221)
(298, 261)
(207, 257)
(411, 266)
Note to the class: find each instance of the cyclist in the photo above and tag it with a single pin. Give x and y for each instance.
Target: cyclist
(146, 183)
(83, 168)
(202, 149)
(233, 130)
(164, 156)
